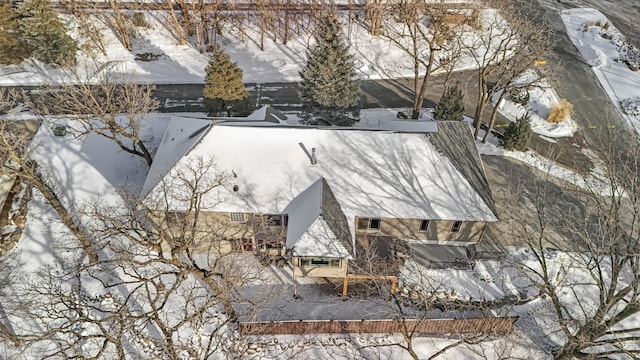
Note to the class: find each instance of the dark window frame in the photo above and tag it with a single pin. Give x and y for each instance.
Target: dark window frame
(378, 221)
(175, 217)
(424, 225)
(321, 262)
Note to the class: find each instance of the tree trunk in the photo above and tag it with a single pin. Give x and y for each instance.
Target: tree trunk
(492, 118)
(176, 24)
(477, 121)
(184, 10)
(121, 24)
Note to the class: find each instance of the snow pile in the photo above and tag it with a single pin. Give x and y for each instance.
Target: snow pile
(631, 106)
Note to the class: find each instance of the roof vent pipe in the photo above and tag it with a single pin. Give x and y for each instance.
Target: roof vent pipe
(314, 161)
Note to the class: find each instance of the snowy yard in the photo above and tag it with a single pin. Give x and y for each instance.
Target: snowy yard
(375, 57)
(84, 175)
(92, 170)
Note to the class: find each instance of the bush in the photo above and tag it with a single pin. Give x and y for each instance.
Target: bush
(451, 105)
(560, 111)
(631, 106)
(517, 134)
(139, 21)
(519, 96)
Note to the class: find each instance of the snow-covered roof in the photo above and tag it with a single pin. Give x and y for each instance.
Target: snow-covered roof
(180, 136)
(303, 210)
(320, 240)
(372, 174)
(378, 174)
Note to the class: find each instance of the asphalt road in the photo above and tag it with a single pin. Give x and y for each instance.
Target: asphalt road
(594, 112)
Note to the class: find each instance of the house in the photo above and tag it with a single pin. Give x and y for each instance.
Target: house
(317, 195)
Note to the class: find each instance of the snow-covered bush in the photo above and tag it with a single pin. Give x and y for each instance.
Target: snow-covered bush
(519, 96)
(629, 55)
(631, 106)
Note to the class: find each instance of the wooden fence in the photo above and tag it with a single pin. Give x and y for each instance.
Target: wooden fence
(498, 325)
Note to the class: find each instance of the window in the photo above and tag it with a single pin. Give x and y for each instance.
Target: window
(456, 226)
(175, 217)
(424, 225)
(236, 217)
(247, 245)
(320, 262)
(276, 220)
(368, 224)
(273, 244)
(270, 244)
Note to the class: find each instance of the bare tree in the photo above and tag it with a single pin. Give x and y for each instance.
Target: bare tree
(111, 108)
(16, 149)
(591, 286)
(122, 24)
(374, 15)
(177, 25)
(422, 31)
(167, 286)
(507, 43)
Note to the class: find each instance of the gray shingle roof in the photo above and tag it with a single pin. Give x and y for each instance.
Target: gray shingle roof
(454, 140)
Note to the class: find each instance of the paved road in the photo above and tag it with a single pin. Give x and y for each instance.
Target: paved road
(593, 110)
(519, 192)
(284, 96)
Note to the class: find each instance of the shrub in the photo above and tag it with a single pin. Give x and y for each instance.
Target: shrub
(587, 25)
(139, 21)
(451, 105)
(517, 134)
(560, 111)
(631, 106)
(519, 96)
(606, 25)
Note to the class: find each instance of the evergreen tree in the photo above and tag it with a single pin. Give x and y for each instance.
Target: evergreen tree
(45, 35)
(517, 134)
(329, 91)
(224, 89)
(451, 105)
(12, 47)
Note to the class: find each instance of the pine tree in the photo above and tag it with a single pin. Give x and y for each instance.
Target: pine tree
(517, 134)
(224, 88)
(451, 105)
(329, 91)
(45, 35)
(12, 47)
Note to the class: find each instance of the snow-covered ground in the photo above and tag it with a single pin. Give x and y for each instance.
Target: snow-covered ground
(542, 98)
(84, 173)
(375, 57)
(598, 40)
